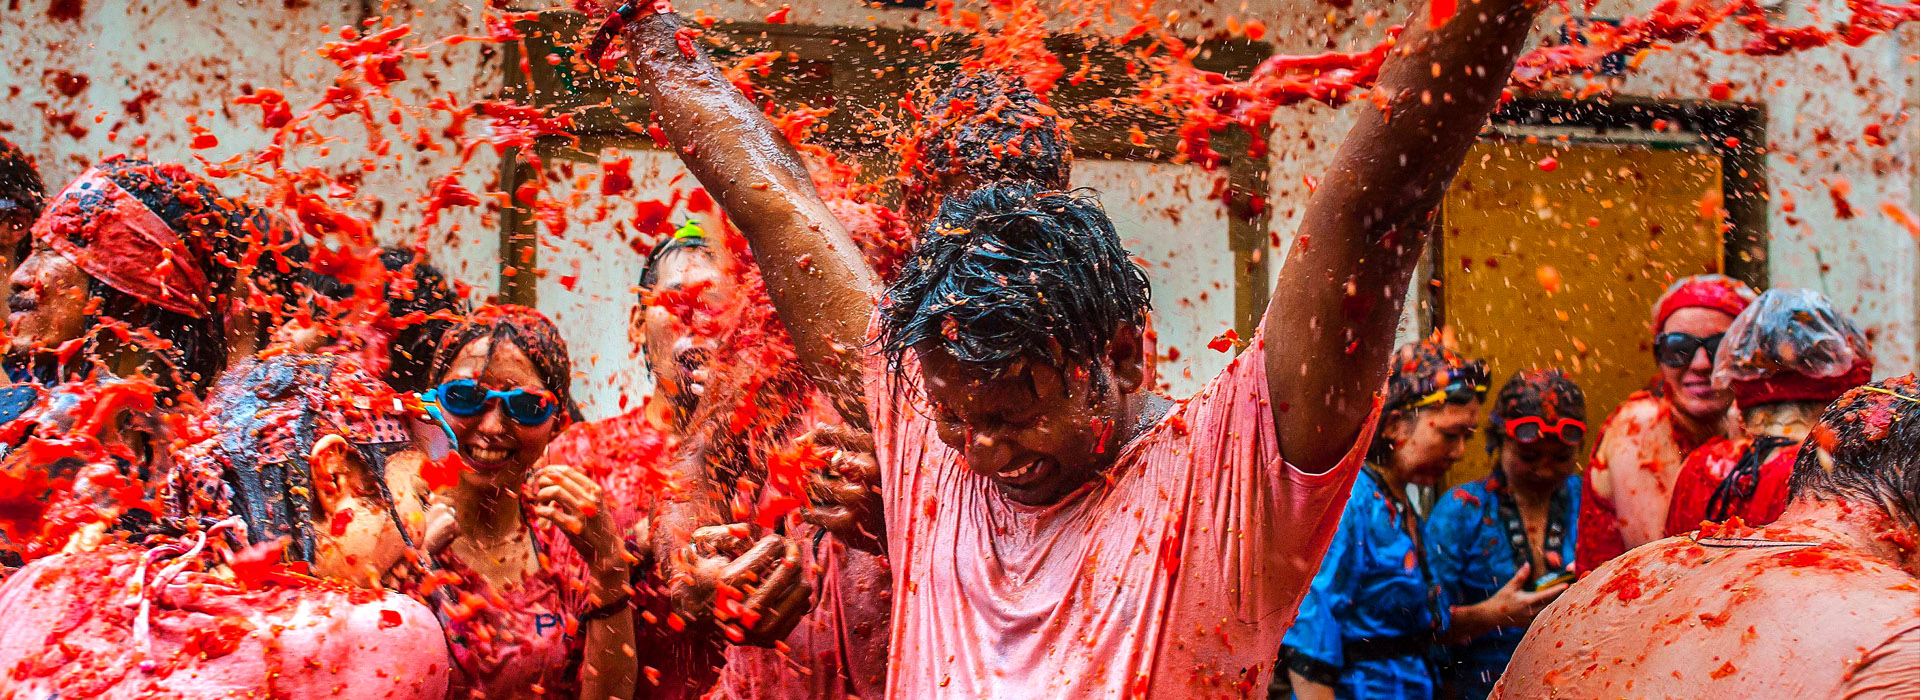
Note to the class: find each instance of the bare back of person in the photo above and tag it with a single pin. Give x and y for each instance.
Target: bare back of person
(1789, 611)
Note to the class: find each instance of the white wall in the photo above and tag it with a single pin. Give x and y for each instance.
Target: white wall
(1164, 218)
(195, 57)
(189, 59)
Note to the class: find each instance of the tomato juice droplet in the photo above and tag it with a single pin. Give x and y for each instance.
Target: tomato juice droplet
(1439, 11)
(1225, 341)
(1548, 277)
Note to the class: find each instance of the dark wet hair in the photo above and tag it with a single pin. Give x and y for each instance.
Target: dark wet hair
(196, 211)
(1011, 271)
(1548, 394)
(1867, 446)
(415, 286)
(410, 357)
(269, 414)
(525, 328)
(279, 276)
(989, 126)
(650, 268)
(1420, 370)
(22, 193)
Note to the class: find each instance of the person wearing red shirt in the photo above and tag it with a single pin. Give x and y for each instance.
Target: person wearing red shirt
(1785, 358)
(1628, 481)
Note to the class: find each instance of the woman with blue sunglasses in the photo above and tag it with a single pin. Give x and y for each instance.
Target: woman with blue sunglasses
(531, 535)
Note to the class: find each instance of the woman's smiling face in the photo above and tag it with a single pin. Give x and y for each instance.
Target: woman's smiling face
(499, 449)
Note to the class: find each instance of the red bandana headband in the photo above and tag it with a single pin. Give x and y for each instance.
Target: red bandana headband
(1717, 292)
(126, 245)
(1793, 386)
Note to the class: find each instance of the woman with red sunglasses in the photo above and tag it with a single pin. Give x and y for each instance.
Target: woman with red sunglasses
(1629, 480)
(1499, 547)
(1785, 358)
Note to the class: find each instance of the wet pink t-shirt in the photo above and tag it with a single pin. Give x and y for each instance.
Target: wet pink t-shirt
(523, 640)
(1176, 577)
(69, 629)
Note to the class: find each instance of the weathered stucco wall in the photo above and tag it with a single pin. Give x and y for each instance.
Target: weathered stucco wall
(141, 68)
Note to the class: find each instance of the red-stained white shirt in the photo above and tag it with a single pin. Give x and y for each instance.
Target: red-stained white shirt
(1629, 481)
(68, 624)
(1175, 577)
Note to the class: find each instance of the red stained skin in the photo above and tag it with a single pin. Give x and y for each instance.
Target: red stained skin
(1724, 619)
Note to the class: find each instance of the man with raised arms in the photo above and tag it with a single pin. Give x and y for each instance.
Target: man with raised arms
(1055, 528)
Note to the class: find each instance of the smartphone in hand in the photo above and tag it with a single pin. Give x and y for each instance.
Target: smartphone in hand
(1551, 579)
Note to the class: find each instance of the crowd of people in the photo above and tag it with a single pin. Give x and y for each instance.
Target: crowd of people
(231, 470)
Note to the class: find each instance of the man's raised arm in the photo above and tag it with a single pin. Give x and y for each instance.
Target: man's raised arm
(1330, 326)
(820, 285)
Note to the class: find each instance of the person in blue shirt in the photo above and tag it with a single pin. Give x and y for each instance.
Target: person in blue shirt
(1486, 538)
(1367, 625)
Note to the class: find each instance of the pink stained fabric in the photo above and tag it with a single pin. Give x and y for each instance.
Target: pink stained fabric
(522, 640)
(69, 629)
(1176, 577)
(839, 651)
(1629, 479)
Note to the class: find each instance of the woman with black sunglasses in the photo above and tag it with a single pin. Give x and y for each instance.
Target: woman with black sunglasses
(533, 541)
(1642, 444)
(1785, 358)
(1367, 626)
(1499, 547)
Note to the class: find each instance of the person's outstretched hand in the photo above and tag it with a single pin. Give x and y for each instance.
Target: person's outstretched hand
(755, 595)
(846, 495)
(1516, 606)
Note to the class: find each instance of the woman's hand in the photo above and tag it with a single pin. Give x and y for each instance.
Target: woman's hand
(442, 527)
(1515, 606)
(567, 498)
(1511, 606)
(755, 595)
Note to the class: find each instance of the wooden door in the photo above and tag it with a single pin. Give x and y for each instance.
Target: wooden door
(1609, 225)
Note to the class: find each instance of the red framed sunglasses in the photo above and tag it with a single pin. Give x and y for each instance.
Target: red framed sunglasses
(1531, 429)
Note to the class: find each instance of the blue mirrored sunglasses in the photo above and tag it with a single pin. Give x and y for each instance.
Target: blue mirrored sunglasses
(466, 398)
